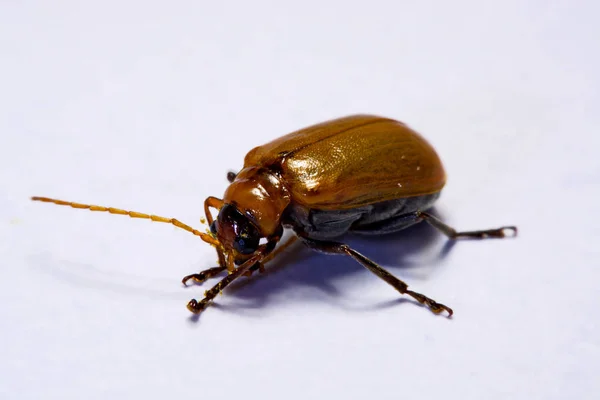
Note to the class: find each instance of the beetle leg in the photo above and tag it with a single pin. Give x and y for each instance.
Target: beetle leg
(230, 263)
(208, 273)
(203, 275)
(340, 248)
(279, 249)
(224, 264)
(263, 253)
(259, 266)
(453, 234)
(198, 306)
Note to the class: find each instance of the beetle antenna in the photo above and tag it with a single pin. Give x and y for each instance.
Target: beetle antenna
(133, 214)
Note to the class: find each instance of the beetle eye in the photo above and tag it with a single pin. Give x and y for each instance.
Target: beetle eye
(245, 244)
(213, 228)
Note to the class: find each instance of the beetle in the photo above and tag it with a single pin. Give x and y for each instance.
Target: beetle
(363, 174)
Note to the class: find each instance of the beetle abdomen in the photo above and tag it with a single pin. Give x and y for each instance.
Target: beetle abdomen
(374, 219)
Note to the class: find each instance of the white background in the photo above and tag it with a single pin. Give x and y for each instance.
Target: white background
(146, 106)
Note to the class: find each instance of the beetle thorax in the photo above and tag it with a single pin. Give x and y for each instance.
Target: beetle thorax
(260, 195)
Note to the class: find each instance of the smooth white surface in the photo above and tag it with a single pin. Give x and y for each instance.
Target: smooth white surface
(146, 106)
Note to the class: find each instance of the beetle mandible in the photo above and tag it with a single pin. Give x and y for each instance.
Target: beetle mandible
(362, 174)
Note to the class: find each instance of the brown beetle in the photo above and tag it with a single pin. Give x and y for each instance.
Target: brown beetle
(362, 174)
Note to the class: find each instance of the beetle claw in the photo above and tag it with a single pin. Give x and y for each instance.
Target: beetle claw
(192, 276)
(511, 229)
(193, 306)
(196, 307)
(438, 308)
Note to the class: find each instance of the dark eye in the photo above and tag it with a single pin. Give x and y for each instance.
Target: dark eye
(246, 244)
(213, 228)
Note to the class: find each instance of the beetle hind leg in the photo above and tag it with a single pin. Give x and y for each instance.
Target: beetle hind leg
(505, 231)
(400, 286)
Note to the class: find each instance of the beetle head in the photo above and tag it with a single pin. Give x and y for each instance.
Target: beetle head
(235, 231)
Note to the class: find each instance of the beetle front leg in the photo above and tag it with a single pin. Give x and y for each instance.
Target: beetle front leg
(198, 306)
(202, 276)
(402, 287)
(261, 265)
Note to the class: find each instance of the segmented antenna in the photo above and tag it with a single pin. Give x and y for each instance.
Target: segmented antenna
(133, 214)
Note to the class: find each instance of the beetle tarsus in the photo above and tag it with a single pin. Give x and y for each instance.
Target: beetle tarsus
(197, 307)
(197, 278)
(497, 233)
(202, 276)
(434, 306)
